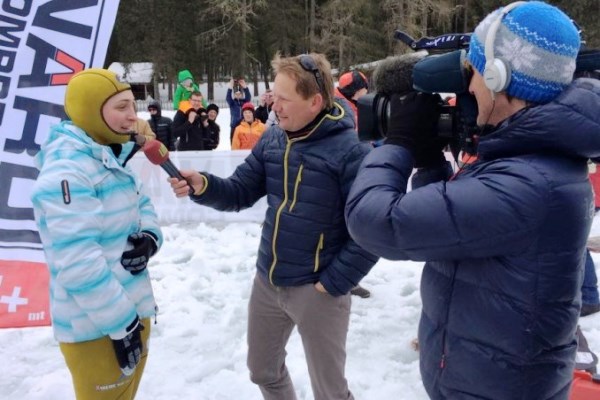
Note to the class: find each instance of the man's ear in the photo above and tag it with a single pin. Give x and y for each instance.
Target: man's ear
(317, 103)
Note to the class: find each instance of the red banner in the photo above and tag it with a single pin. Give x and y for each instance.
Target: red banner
(23, 294)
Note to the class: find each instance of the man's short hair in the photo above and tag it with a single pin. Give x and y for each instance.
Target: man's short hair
(307, 82)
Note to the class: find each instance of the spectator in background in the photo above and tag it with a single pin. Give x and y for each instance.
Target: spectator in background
(213, 111)
(236, 99)
(160, 125)
(351, 86)
(248, 131)
(192, 129)
(590, 298)
(99, 229)
(142, 127)
(272, 120)
(185, 87)
(504, 238)
(264, 106)
(306, 263)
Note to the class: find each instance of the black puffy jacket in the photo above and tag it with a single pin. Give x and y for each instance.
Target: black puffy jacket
(504, 244)
(161, 126)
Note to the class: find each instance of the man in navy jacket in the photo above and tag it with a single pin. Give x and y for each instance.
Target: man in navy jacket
(504, 239)
(307, 263)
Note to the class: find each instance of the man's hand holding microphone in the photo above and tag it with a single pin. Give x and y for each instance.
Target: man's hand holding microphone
(184, 183)
(192, 183)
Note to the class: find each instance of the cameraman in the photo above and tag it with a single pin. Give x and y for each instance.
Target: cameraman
(504, 239)
(192, 128)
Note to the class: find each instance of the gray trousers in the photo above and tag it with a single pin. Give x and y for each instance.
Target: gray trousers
(322, 322)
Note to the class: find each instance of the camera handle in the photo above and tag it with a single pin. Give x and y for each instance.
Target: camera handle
(448, 41)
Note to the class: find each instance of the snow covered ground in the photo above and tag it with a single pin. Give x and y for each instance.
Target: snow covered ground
(202, 278)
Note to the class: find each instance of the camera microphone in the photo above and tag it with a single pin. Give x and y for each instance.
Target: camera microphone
(158, 154)
(395, 74)
(392, 77)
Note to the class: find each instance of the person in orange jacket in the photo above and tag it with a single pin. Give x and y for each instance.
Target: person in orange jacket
(249, 130)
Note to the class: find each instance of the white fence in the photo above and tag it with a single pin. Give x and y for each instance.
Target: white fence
(170, 209)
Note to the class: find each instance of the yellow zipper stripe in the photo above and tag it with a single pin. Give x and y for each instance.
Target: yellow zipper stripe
(298, 179)
(280, 209)
(318, 252)
(326, 116)
(286, 194)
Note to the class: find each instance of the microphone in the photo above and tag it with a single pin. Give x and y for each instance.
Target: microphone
(158, 154)
(394, 75)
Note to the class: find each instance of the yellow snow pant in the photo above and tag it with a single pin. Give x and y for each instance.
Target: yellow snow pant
(95, 371)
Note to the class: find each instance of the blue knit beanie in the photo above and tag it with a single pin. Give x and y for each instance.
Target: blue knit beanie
(538, 42)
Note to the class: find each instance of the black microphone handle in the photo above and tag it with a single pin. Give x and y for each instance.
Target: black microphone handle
(173, 172)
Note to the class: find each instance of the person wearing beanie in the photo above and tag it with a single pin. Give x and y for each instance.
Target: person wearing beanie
(192, 128)
(160, 125)
(237, 95)
(98, 229)
(248, 131)
(504, 239)
(351, 86)
(213, 111)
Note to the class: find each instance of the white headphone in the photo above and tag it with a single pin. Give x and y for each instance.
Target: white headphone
(496, 73)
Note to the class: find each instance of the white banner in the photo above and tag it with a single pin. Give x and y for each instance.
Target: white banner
(42, 44)
(170, 209)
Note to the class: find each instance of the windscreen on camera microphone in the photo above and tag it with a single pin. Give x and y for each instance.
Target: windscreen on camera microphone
(444, 73)
(158, 154)
(395, 74)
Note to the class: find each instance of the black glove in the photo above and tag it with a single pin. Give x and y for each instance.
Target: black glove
(413, 124)
(144, 247)
(129, 349)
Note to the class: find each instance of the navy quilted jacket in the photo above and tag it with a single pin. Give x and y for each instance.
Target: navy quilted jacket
(306, 181)
(504, 244)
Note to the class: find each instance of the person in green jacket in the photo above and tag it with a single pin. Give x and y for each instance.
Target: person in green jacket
(185, 87)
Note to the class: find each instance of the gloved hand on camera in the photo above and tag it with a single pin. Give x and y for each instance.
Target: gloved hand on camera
(128, 349)
(144, 246)
(413, 124)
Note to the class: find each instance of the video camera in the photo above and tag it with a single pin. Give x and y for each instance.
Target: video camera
(437, 66)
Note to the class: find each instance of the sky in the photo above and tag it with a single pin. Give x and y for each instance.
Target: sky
(202, 278)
